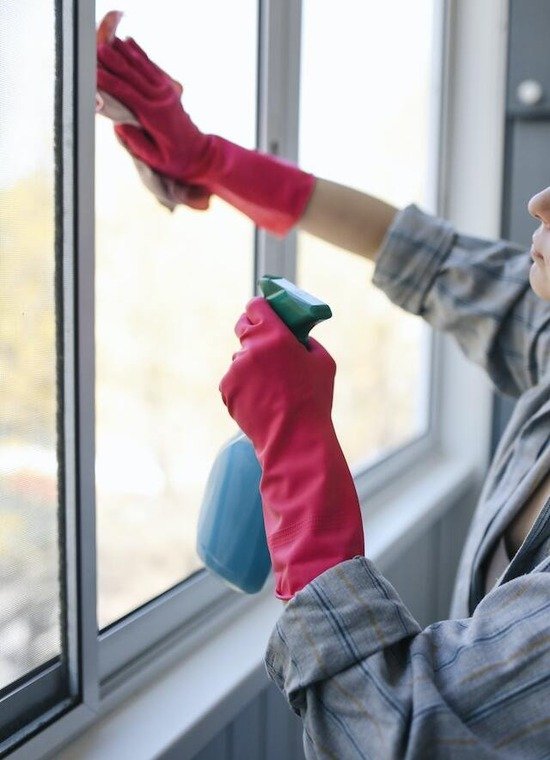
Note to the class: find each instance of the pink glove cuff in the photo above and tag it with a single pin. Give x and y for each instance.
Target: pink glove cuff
(272, 192)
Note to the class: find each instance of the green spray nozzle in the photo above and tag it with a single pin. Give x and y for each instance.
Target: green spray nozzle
(299, 310)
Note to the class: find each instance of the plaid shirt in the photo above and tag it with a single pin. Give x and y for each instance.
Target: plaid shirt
(367, 681)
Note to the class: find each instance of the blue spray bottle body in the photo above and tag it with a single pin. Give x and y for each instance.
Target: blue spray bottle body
(231, 538)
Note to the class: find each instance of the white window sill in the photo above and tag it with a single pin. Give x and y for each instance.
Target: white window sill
(397, 515)
(203, 692)
(220, 676)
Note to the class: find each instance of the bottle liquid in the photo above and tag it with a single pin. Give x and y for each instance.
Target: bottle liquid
(231, 538)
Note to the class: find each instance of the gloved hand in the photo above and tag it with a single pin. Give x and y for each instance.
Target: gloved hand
(272, 192)
(280, 394)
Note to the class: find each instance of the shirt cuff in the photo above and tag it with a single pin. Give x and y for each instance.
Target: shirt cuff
(342, 617)
(410, 256)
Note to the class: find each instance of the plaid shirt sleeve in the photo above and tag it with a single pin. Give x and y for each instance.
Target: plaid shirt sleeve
(369, 683)
(476, 290)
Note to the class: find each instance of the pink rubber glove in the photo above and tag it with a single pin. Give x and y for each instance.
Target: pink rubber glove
(272, 192)
(280, 394)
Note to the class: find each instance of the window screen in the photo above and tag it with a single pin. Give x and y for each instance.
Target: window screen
(30, 633)
(169, 288)
(365, 121)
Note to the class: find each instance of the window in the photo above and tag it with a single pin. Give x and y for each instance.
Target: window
(168, 290)
(111, 352)
(366, 121)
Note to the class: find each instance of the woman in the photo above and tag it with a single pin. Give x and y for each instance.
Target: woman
(352, 661)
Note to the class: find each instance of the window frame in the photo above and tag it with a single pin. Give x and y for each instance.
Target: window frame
(104, 669)
(74, 115)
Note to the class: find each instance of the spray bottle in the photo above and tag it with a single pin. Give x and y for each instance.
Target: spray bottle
(231, 538)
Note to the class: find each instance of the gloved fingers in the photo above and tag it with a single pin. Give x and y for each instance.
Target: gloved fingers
(139, 63)
(139, 52)
(260, 319)
(136, 140)
(197, 197)
(121, 90)
(116, 63)
(323, 360)
(231, 382)
(274, 330)
(259, 312)
(242, 326)
(227, 390)
(319, 351)
(107, 26)
(149, 67)
(222, 387)
(137, 59)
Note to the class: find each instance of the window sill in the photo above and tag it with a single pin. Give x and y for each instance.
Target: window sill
(227, 671)
(398, 514)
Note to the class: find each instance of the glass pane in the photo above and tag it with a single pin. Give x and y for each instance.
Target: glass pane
(365, 121)
(29, 546)
(169, 288)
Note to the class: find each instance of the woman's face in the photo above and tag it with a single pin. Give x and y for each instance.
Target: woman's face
(539, 275)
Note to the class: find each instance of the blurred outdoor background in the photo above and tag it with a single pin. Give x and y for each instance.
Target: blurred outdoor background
(29, 564)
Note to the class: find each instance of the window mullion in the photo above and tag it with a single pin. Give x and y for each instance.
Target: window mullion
(278, 109)
(80, 365)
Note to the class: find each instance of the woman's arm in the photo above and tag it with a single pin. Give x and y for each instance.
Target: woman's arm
(271, 192)
(347, 218)
(369, 683)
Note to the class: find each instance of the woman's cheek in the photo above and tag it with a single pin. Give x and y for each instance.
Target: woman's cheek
(539, 278)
